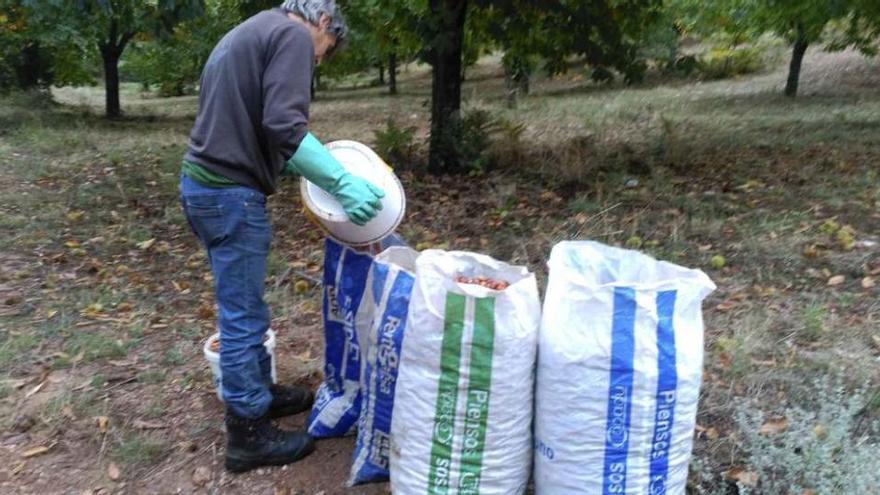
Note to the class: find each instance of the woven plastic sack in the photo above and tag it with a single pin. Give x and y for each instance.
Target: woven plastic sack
(463, 403)
(338, 399)
(390, 287)
(619, 370)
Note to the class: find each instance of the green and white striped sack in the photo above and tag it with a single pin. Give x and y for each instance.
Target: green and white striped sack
(463, 403)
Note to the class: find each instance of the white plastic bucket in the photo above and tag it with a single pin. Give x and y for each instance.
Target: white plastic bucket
(361, 161)
(214, 359)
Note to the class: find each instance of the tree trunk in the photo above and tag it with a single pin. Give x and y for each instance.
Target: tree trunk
(510, 88)
(32, 72)
(523, 82)
(111, 50)
(381, 74)
(392, 73)
(517, 73)
(110, 56)
(797, 58)
(445, 57)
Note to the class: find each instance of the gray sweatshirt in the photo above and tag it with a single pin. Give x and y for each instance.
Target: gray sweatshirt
(254, 100)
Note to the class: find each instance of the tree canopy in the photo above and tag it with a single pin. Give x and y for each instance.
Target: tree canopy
(802, 23)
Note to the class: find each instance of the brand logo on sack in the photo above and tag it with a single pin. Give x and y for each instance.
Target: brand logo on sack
(615, 480)
(473, 427)
(382, 448)
(667, 395)
(440, 482)
(663, 424)
(616, 434)
(352, 348)
(447, 395)
(658, 485)
(334, 311)
(469, 483)
(619, 391)
(443, 420)
(387, 355)
(544, 450)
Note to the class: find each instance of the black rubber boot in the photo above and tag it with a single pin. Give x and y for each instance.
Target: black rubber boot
(287, 401)
(251, 443)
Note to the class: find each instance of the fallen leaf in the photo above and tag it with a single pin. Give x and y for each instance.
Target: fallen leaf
(71, 244)
(67, 412)
(79, 357)
(771, 363)
(13, 299)
(206, 312)
(811, 251)
(751, 185)
(836, 280)
(113, 471)
(876, 340)
(102, 421)
(16, 383)
(712, 433)
(740, 475)
(774, 426)
(726, 305)
(35, 452)
(868, 282)
(201, 475)
(51, 314)
(75, 216)
(149, 425)
(19, 467)
(146, 244)
(820, 431)
(93, 310)
(35, 389)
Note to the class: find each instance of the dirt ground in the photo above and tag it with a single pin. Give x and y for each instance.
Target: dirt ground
(105, 302)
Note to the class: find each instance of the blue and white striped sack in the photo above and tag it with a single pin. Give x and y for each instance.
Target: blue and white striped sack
(338, 399)
(619, 369)
(389, 288)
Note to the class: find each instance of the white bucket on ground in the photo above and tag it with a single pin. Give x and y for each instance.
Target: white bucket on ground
(214, 359)
(361, 161)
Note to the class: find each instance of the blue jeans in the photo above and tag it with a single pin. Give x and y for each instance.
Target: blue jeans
(233, 225)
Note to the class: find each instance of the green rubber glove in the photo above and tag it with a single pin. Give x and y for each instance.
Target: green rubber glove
(289, 170)
(359, 198)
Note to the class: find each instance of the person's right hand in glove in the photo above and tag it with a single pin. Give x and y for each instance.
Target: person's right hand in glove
(360, 199)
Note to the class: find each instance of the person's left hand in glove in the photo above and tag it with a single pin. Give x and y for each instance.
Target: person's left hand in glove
(360, 199)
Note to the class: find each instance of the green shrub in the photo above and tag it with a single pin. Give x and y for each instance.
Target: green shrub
(396, 145)
(823, 448)
(464, 144)
(473, 131)
(721, 63)
(506, 148)
(684, 65)
(174, 70)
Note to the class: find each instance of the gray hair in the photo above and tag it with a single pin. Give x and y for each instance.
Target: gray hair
(311, 11)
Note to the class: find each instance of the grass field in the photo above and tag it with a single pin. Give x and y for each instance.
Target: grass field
(105, 299)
